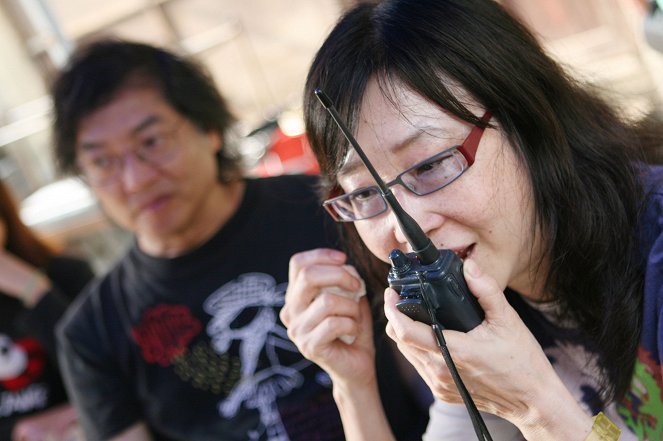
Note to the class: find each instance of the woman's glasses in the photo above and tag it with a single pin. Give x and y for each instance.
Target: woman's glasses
(423, 178)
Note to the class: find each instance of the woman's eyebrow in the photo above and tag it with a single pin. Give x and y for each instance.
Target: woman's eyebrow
(351, 165)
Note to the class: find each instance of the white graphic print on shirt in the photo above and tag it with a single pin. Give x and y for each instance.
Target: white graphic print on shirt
(261, 335)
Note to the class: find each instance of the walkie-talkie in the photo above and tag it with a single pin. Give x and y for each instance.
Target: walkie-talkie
(429, 280)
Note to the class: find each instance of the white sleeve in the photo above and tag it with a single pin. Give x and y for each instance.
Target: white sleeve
(451, 422)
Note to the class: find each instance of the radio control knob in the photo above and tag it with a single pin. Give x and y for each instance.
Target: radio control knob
(399, 261)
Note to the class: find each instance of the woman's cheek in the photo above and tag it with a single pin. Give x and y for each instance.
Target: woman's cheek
(377, 238)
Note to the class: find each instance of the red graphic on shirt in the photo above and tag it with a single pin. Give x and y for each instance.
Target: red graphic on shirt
(165, 332)
(23, 362)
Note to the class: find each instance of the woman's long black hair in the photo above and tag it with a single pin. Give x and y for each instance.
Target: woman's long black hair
(21, 240)
(577, 151)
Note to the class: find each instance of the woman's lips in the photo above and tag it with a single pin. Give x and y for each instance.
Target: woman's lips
(464, 253)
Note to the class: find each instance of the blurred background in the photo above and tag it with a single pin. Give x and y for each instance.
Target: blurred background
(258, 51)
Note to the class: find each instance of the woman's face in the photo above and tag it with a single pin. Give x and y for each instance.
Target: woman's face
(485, 215)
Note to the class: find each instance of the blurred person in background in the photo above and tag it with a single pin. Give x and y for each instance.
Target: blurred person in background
(36, 285)
(181, 340)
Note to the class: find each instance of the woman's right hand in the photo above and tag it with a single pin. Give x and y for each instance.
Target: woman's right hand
(317, 319)
(500, 361)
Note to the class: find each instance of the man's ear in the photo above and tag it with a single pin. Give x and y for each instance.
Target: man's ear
(216, 140)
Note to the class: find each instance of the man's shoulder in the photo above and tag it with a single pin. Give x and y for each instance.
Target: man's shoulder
(94, 302)
(67, 263)
(291, 204)
(292, 183)
(286, 190)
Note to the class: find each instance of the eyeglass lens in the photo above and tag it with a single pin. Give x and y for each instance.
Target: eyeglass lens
(423, 178)
(155, 147)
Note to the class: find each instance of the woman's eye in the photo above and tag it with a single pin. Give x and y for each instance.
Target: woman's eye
(430, 166)
(365, 194)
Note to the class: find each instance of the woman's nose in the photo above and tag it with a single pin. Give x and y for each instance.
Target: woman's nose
(419, 208)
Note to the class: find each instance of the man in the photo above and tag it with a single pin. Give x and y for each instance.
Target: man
(181, 339)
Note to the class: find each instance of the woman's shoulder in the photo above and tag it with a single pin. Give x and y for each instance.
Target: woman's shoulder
(652, 216)
(653, 179)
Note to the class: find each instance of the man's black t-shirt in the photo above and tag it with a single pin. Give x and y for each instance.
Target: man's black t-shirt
(193, 345)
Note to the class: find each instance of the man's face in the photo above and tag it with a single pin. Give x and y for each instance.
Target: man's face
(162, 199)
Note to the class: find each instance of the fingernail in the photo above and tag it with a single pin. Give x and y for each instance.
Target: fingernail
(385, 296)
(471, 269)
(389, 291)
(337, 256)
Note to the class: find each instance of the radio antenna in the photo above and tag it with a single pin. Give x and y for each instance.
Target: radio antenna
(421, 244)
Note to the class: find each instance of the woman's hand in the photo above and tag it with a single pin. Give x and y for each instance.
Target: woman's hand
(318, 322)
(21, 280)
(501, 363)
(317, 319)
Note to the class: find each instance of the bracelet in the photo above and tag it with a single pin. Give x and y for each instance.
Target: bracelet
(28, 293)
(603, 429)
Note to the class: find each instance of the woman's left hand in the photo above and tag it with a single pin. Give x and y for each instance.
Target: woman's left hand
(501, 363)
(21, 280)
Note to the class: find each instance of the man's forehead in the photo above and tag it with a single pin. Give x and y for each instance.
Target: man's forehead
(94, 136)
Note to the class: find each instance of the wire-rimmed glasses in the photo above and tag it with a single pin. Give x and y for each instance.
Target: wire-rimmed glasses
(425, 177)
(156, 146)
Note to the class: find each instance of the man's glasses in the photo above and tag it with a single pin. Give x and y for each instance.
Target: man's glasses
(155, 146)
(423, 178)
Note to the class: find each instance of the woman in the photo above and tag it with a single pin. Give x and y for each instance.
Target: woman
(549, 204)
(36, 286)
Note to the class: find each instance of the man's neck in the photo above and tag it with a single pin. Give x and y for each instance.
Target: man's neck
(220, 205)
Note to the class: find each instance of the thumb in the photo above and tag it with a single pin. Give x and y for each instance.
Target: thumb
(485, 289)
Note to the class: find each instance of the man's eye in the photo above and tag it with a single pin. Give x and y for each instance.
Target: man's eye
(101, 162)
(152, 142)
